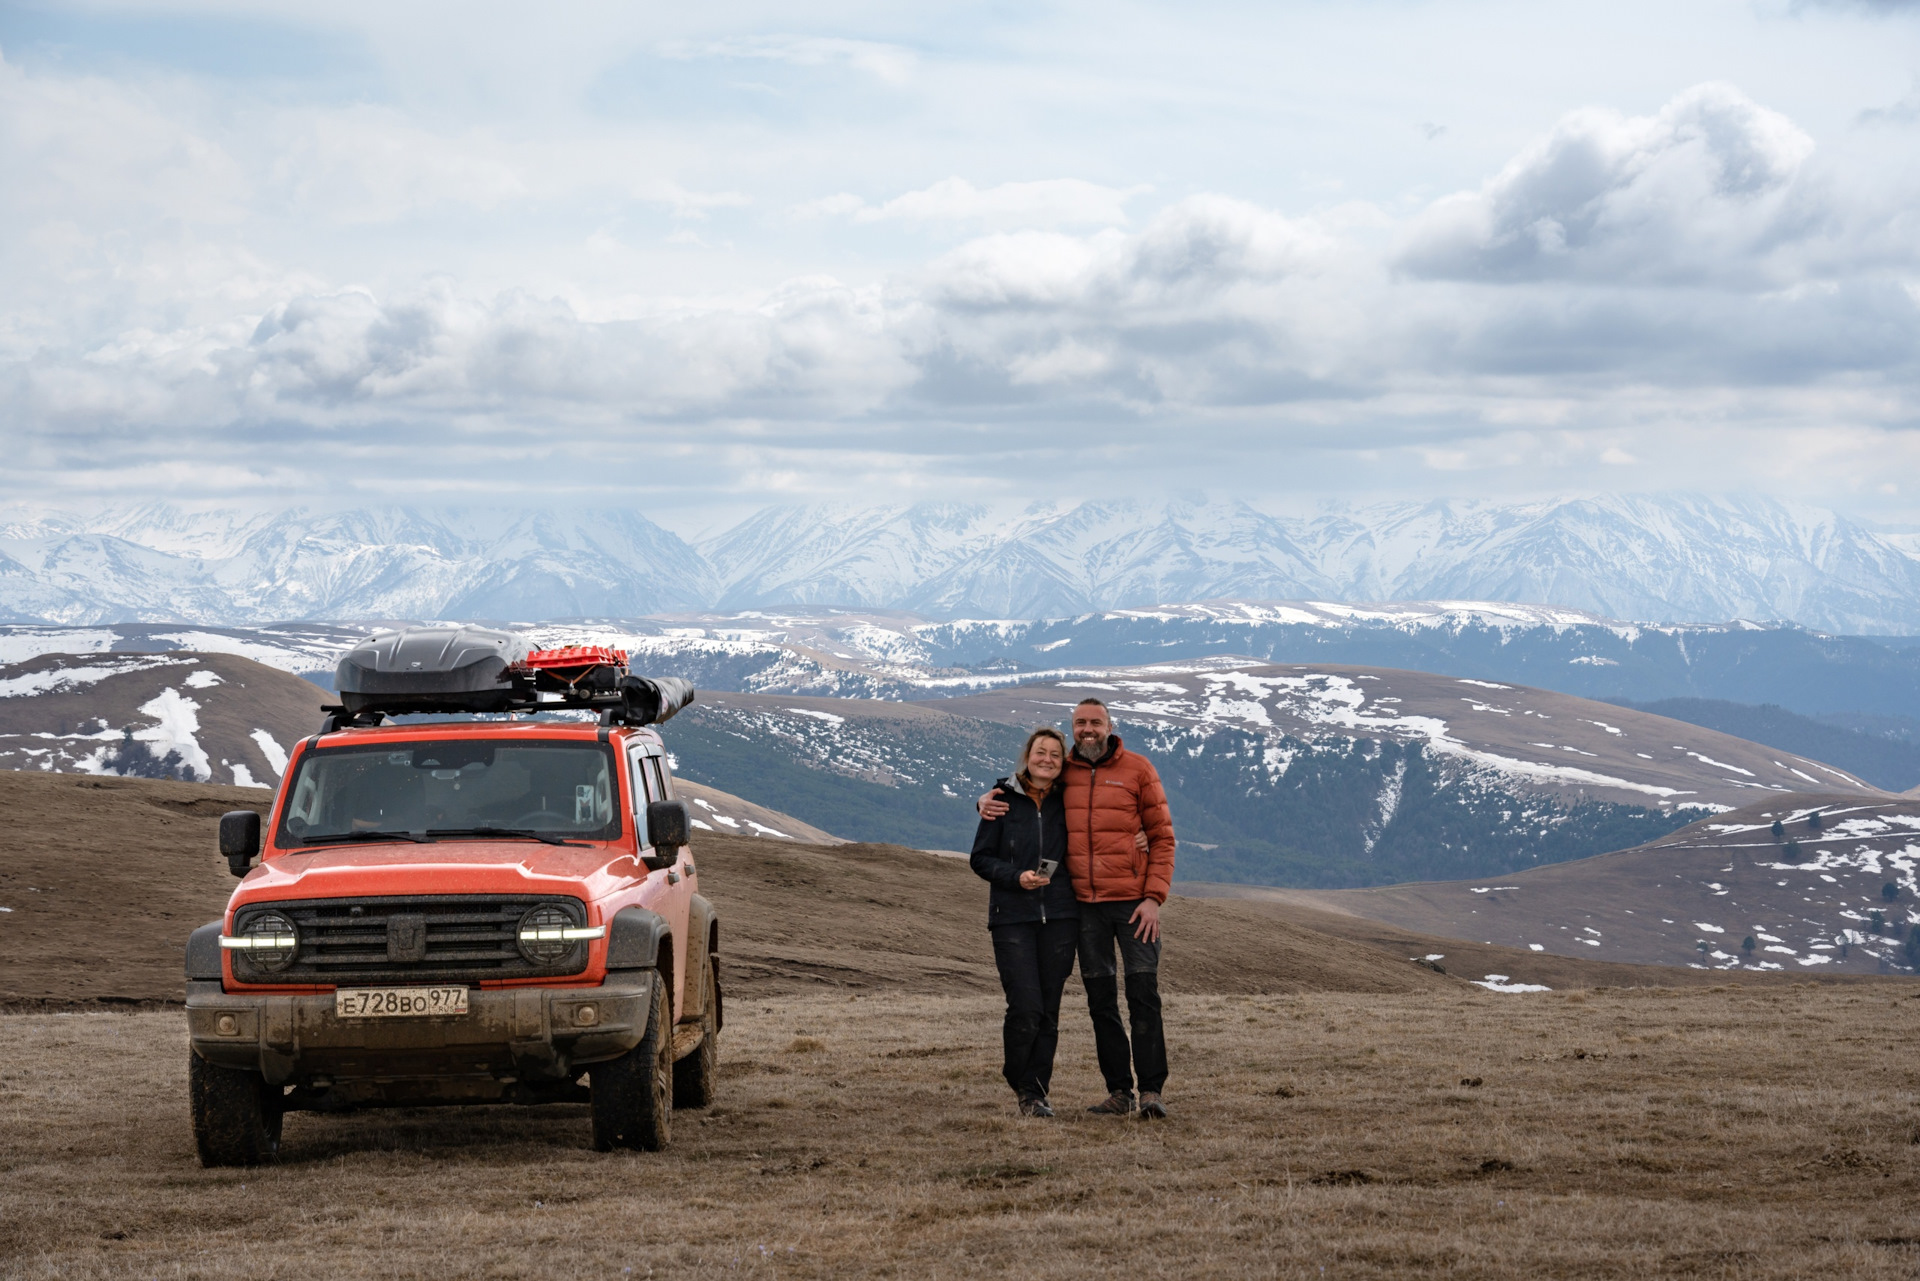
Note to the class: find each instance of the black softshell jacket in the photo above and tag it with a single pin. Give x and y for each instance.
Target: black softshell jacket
(1014, 843)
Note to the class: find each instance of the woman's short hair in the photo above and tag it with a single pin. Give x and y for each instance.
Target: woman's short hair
(1045, 731)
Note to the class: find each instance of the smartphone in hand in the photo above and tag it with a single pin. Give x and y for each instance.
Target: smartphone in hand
(1048, 866)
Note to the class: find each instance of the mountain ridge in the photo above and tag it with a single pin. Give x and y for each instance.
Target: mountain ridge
(1663, 558)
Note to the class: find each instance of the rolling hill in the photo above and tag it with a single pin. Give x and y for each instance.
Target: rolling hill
(218, 717)
(1312, 776)
(140, 853)
(191, 716)
(1834, 898)
(1887, 762)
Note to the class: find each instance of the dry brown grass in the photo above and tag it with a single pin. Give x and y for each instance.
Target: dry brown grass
(1734, 1132)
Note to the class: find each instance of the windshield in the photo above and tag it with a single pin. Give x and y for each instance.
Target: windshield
(450, 787)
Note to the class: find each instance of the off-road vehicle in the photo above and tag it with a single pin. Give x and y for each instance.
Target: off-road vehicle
(479, 904)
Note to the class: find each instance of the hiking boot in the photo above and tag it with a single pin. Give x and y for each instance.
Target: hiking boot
(1151, 1108)
(1119, 1103)
(1034, 1105)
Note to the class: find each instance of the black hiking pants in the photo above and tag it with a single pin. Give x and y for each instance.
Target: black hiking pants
(1035, 958)
(1103, 926)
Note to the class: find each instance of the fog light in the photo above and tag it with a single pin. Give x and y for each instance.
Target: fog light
(586, 1016)
(226, 1025)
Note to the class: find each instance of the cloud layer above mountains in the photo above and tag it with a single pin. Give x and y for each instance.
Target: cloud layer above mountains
(730, 262)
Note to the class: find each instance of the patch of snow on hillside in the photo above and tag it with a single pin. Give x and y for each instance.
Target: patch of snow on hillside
(1708, 760)
(276, 755)
(288, 653)
(202, 679)
(885, 645)
(828, 717)
(17, 645)
(59, 679)
(177, 720)
(1500, 983)
(1482, 684)
(1549, 773)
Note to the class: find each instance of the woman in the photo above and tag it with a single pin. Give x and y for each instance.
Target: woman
(1033, 918)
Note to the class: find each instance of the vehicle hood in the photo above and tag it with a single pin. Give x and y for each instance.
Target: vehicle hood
(443, 867)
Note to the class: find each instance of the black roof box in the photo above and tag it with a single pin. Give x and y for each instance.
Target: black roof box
(431, 669)
(478, 670)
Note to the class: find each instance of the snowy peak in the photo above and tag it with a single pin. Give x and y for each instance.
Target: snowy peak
(1671, 558)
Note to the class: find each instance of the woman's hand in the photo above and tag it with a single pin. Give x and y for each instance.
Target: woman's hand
(1033, 880)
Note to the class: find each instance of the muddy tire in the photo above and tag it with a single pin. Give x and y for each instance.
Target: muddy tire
(236, 1115)
(632, 1096)
(695, 1076)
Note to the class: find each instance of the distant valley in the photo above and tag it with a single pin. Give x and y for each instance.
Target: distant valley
(1278, 775)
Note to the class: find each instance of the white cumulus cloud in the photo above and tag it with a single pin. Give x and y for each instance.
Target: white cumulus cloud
(1708, 188)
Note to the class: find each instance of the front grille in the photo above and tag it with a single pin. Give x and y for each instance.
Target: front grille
(441, 938)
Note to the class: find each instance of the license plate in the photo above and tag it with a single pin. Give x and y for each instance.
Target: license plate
(398, 1002)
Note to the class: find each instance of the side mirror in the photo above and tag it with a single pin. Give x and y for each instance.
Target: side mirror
(239, 839)
(668, 828)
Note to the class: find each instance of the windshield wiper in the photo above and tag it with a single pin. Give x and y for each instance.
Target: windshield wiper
(338, 838)
(526, 832)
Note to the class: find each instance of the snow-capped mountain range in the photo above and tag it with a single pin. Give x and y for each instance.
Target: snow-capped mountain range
(1657, 558)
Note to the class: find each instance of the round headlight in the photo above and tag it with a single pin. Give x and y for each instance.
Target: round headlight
(273, 941)
(543, 937)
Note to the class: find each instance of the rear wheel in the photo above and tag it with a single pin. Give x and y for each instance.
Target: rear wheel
(694, 1076)
(632, 1096)
(236, 1114)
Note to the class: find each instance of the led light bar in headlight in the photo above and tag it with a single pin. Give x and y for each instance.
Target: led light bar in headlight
(259, 942)
(269, 940)
(570, 933)
(547, 934)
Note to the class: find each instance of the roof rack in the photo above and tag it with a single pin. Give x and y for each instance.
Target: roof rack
(476, 671)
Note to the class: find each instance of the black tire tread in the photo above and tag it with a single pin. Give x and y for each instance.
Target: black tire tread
(696, 1077)
(631, 1097)
(236, 1115)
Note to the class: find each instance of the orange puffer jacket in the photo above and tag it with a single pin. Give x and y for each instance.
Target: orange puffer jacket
(1107, 803)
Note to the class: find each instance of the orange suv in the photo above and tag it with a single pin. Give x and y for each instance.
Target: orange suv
(500, 907)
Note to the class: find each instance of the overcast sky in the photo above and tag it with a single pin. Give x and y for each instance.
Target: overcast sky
(878, 252)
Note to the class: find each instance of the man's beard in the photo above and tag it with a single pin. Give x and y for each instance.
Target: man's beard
(1092, 750)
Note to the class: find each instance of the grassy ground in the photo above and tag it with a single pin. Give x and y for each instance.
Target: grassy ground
(1721, 1133)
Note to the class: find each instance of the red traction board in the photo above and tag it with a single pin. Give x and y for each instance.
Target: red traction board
(573, 656)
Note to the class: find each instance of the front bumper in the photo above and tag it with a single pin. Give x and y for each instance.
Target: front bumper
(509, 1040)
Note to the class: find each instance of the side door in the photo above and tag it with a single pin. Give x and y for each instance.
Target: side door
(671, 893)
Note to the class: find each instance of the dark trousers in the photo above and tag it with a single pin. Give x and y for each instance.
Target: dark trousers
(1103, 926)
(1035, 959)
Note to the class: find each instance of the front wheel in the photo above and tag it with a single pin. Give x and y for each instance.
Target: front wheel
(236, 1115)
(632, 1096)
(694, 1077)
